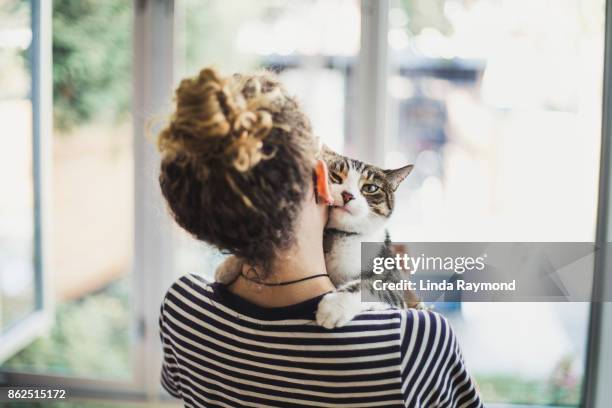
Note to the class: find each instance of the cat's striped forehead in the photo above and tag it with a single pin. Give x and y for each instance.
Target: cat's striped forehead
(342, 165)
(380, 202)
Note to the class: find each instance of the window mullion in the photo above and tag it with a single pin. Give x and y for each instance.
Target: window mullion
(599, 365)
(153, 81)
(372, 76)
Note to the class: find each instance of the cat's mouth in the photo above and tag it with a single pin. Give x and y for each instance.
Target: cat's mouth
(342, 208)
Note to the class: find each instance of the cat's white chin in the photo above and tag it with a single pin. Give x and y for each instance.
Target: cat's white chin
(343, 220)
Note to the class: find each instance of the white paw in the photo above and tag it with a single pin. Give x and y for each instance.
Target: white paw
(227, 271)
(338, 308)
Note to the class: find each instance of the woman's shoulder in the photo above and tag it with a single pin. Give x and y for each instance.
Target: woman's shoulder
(406, 316)
(416, 326)
(416, 322)
(191, 280)
(189, 286)
(425, 328)
(426, 320)
(194, 280)
(423, 315)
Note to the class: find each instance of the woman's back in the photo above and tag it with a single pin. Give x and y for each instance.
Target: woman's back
(222, 351)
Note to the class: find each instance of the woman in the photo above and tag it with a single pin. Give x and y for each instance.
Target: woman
(240, 171)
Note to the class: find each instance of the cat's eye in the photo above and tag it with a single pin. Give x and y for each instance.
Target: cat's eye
(335, 178)
(369, 188)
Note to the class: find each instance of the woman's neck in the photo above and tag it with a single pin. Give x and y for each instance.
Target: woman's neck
(285, 295)
(304, 259)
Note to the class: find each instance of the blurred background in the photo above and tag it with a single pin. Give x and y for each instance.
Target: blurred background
(497, 102)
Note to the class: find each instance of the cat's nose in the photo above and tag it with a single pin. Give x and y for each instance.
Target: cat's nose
(346, 197)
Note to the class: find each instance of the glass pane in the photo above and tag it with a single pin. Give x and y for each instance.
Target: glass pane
(498, 103)
(17, 283)
(92, 195)
(300, 39)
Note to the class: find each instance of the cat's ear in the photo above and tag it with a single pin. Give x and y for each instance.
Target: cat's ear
(395, 177)
(327, 154)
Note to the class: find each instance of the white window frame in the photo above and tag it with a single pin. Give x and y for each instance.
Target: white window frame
(153, 77)
(597, 392)
(372, 72)
(39, 321)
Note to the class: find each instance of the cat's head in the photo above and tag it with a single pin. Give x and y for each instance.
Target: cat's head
(363, 194)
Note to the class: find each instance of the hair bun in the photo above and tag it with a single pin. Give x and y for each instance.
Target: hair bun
(246, 150)
(214, 120)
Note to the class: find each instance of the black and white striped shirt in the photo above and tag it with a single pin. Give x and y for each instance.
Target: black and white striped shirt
(222, 351)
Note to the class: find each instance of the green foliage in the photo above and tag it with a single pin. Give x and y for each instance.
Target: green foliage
(92, 53)
(426, 13)
(519, 390)
(90, 337)
(209, 28)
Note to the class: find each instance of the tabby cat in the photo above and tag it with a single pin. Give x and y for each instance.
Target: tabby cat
(364, 198)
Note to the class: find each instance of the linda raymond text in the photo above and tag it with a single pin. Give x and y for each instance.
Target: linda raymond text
(444, 285)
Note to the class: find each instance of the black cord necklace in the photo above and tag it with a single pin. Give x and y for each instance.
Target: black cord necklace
(320, 275)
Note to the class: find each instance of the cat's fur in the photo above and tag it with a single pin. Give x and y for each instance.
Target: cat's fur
(361, 218)
(364, 198)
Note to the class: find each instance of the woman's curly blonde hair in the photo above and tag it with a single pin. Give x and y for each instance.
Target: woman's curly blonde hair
(237, 157)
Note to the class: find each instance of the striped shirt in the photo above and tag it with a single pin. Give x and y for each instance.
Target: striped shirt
(222, 351)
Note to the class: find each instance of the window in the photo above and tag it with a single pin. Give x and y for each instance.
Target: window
(492, 100)
(23, 100)
(91, 185)
(17, 296)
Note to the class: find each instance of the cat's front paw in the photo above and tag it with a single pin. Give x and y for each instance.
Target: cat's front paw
(338, 308)
(227, 272)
